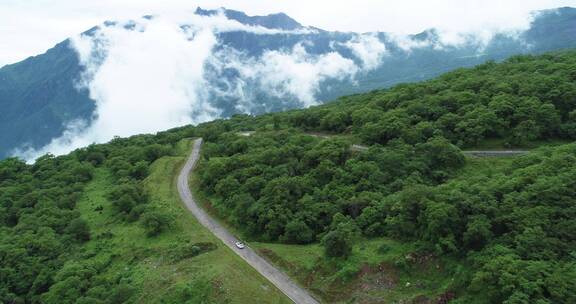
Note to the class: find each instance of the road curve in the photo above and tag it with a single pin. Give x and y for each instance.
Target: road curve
(274, 275)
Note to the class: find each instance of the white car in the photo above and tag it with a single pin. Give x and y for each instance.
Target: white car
(240, 245)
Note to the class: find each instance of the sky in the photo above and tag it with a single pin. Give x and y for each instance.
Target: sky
(31, 27)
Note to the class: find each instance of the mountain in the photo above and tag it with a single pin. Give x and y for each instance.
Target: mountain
(375, 198)
(273, 21)
(251, 64)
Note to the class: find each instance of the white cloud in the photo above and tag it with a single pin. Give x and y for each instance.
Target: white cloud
(219, 23)
(154, 77)
(30, 27)
(300, 74)
(141, 86)
(161, 75)
(293, 73)
(369, 49)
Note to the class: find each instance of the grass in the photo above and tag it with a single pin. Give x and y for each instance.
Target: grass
(380, 270)
(144, 262)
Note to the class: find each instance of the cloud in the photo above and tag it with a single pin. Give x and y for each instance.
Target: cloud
(298, 74)
(220, 24)
(157, 73)
(32, 26)
(443, 39)
(294, 73)
(139, 84)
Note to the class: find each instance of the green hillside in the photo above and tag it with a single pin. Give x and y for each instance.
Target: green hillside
(407, 218)
(106, 225)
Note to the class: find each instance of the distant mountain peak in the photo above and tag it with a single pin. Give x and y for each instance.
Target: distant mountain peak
(278, 21)
(427, 35)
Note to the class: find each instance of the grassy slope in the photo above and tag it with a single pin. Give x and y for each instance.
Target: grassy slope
(370, 275)
(130, 251)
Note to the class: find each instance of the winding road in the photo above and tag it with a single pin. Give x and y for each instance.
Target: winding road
(273, 274)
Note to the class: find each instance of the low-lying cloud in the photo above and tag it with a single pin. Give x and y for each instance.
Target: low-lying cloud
(167, 71)
(142, 80)
(369, 49)
(152, 75)
(294, 73)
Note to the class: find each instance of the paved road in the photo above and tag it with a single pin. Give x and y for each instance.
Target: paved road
(274, 275)
(479, 153)
(496, 153)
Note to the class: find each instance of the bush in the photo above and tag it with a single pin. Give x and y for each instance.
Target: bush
(79, 229)
(189, 250)
(336, 244)
(383, 249)
(122, 294)
(154, 222)
(298, 232)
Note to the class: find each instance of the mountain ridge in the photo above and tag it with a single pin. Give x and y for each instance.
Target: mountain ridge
(40, 97)
(272, 21)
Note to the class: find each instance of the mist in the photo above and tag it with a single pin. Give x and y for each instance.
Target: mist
(160, 72)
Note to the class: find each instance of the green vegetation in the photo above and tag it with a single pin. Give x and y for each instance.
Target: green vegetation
(510, 222)
(408, 219)
(378, 270)
(89, 245)
(523, 100)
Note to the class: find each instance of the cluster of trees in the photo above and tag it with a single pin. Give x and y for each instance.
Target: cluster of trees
(128, 160)
(515, 226)
(521, 100)
(42, 233)
(39, 225)
(287, 186)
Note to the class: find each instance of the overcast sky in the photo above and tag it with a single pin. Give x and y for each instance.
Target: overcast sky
(29, 27)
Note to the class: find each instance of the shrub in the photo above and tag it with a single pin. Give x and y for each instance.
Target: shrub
(154, 222)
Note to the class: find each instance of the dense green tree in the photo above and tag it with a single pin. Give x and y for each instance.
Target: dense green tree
(298, 232)
(478, 232)
(154, 222)
(79, 229)
(336, 244)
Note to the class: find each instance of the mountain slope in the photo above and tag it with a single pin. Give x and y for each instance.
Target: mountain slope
(38, 96)
(271, 64)
(409, 219)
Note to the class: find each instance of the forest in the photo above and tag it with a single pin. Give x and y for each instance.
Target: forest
(42, 234)
(297, 180)
(294, 179)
